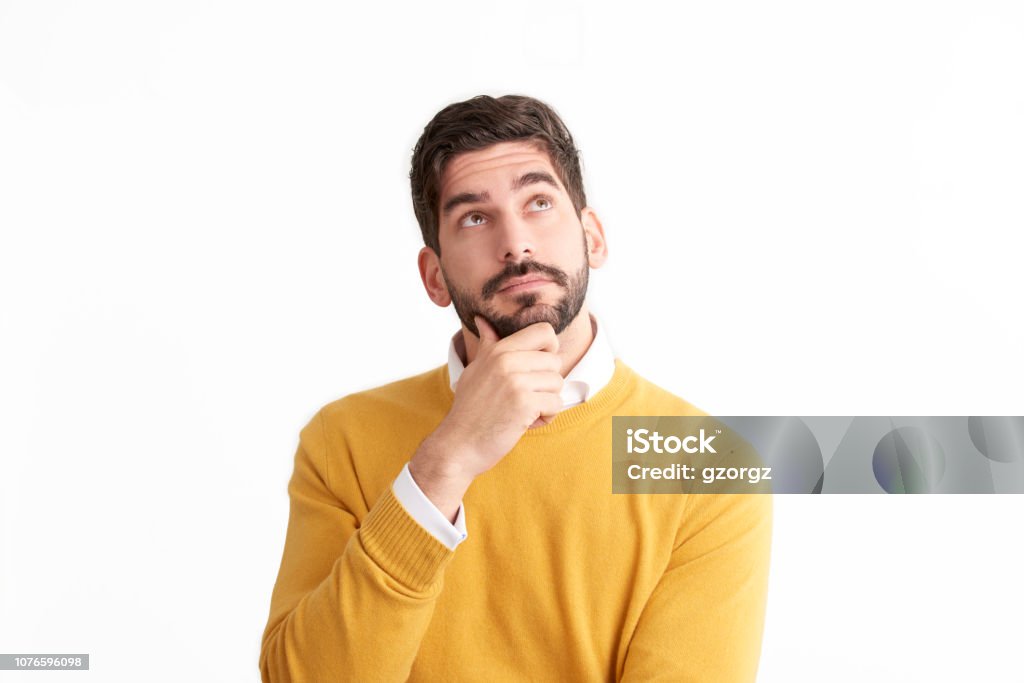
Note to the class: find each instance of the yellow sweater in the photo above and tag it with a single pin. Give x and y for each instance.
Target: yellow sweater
(558, 580)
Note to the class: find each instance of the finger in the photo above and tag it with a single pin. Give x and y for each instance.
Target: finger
(531, 361)
(536, 337)
(548, 404)
(485, 332)
(551, 382)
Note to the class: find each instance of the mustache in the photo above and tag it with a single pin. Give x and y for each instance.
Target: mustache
(511, 270)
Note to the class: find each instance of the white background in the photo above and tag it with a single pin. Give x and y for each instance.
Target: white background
(812, 209)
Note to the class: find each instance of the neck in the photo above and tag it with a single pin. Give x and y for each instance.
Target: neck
(573, 342)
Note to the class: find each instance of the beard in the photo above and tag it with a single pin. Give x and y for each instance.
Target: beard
(528, 307)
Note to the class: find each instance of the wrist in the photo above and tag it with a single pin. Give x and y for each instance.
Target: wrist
(438, 472)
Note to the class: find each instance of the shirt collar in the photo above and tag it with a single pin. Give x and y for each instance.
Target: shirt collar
(589, 376)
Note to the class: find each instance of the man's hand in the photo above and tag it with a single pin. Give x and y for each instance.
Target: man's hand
(513, 384)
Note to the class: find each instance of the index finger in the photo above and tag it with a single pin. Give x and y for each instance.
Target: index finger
(539, 336)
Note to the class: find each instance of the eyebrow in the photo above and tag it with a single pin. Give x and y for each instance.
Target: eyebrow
(530, 178)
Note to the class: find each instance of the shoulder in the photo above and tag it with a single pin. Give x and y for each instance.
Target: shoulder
(367, 435)
(411, 396)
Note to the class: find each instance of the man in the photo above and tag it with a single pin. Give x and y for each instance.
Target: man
(459, 524)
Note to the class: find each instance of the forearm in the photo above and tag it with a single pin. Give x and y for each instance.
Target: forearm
(378, 598)
(354, 584)
(436, 470)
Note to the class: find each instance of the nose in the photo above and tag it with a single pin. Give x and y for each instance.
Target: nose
(518, 241)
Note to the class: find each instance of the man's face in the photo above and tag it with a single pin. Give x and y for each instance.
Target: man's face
(513, 249)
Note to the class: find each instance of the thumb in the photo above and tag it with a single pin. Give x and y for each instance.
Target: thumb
(485, 332)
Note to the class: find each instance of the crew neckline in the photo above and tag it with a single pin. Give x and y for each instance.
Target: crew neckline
(620, 386)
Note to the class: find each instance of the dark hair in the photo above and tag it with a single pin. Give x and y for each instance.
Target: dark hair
(478, 123)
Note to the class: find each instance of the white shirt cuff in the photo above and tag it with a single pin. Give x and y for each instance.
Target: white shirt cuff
(426, 513)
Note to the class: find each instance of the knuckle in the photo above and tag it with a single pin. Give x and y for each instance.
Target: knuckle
(516, 383)
(521, 403)
(503, 363)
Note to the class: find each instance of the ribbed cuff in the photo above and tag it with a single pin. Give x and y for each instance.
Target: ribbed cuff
(400, 546)
(426, 514)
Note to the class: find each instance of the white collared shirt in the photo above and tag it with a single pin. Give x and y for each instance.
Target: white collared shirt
(593, 371)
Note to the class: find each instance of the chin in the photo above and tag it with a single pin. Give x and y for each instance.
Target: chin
(536, 314)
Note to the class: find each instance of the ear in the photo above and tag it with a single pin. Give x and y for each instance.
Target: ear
(597, 247)
(433, 278)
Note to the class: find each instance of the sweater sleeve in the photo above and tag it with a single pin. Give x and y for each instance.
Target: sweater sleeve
(353, 597)
(705, 618)
(426, 514)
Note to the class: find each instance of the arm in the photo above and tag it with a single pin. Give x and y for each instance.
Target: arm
(705, 618)
(450, 532)
(351, 602)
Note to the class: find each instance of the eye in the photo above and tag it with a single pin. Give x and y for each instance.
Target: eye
(541, 203)
(472, 219)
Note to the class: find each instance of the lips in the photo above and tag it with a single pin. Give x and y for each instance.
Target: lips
(524, 282)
